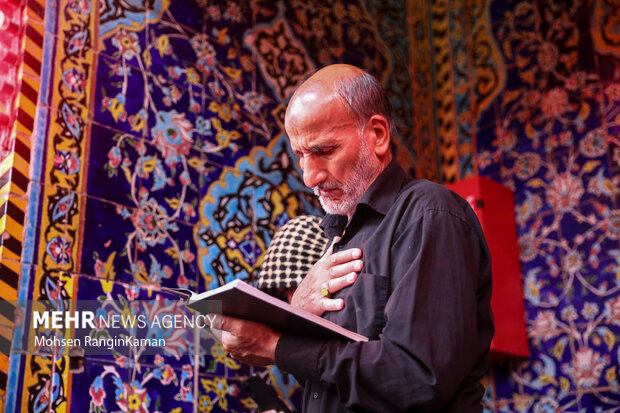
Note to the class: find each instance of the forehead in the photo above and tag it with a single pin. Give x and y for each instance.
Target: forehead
(312, 121)
(343, 134)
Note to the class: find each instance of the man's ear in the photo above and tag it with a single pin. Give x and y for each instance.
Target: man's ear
(380, 134)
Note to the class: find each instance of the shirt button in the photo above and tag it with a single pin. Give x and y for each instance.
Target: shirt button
(315, 395)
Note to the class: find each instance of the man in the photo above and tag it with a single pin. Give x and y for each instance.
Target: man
(408, 268)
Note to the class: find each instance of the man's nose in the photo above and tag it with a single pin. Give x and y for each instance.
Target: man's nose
(314, 172)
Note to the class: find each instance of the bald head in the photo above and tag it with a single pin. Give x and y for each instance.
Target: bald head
(359, 93)
(326, 79)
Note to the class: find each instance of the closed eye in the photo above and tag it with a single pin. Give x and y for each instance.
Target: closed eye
(323, 150)
(319, 150)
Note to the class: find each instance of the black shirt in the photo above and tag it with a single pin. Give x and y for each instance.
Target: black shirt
(422, 299)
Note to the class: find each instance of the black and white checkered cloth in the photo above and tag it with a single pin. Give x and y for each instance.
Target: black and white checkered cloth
(292, 252)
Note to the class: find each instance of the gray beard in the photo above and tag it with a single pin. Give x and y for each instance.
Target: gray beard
(364, 172)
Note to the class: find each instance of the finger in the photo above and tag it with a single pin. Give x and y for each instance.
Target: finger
(330, 304)
(339, 283)
(227, 323)
(227, 341)
(217, 334)
(215, 321)
(341, 257)
(330, 250)
(346, 268)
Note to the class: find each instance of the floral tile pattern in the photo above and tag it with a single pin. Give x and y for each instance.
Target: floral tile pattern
(164, 163)
(553, 143)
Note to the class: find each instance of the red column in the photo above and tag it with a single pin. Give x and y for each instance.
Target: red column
(493, 203)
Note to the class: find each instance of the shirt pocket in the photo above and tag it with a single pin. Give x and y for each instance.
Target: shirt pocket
(364, 305)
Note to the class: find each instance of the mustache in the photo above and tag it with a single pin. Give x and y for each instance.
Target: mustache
(326, 185)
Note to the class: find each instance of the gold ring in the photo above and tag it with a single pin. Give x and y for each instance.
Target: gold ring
(324, 290)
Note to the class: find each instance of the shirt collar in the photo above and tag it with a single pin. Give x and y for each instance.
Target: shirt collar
(379, 196)
(383, 191)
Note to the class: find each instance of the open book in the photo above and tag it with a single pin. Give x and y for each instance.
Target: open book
(241, 300)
